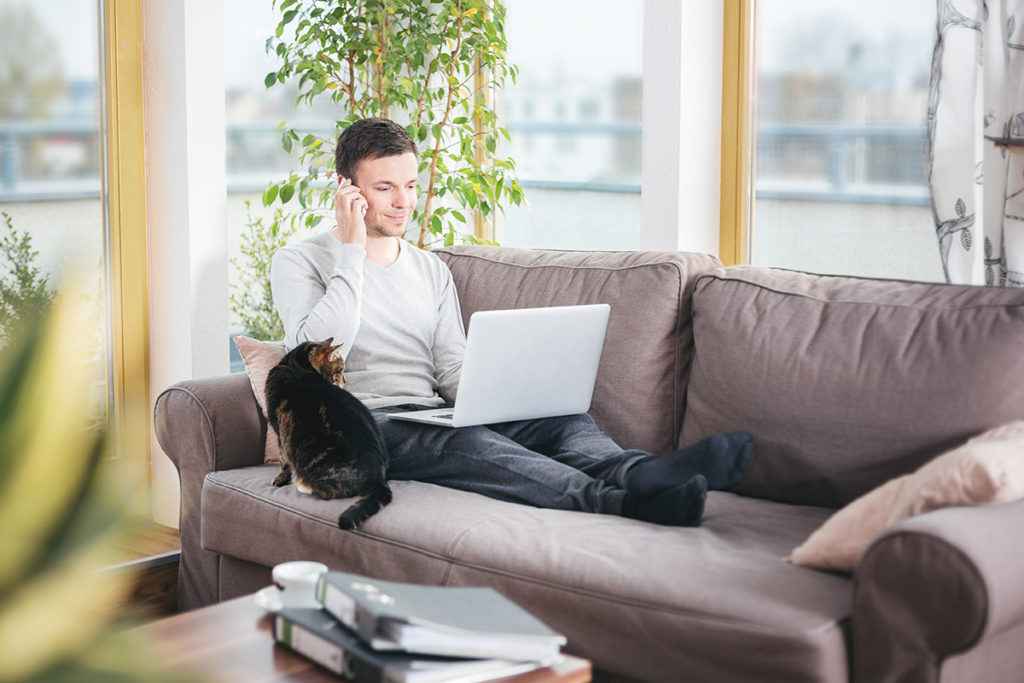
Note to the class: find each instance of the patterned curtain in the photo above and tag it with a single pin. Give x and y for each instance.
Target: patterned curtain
(975, 113)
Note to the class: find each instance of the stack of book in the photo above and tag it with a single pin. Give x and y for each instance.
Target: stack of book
(372, 630)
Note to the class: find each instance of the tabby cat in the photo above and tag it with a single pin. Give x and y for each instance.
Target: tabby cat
(330, 444)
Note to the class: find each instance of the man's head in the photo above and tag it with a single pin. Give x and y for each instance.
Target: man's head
(379, 157)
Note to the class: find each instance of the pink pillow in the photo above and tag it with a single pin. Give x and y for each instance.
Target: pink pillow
(259, 358)
(987, 469)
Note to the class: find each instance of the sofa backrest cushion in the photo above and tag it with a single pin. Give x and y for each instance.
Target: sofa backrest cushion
(847, 382)
(640, 393)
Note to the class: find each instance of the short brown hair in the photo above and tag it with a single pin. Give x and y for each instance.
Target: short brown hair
(369, 139)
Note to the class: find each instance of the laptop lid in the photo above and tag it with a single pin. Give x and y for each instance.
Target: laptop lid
(528, 363)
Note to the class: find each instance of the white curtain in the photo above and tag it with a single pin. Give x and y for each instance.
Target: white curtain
(976, 103)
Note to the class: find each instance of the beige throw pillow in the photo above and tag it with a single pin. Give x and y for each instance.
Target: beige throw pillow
(259, 358)
(987, 469)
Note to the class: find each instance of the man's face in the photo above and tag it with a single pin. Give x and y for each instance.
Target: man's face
(389, 185)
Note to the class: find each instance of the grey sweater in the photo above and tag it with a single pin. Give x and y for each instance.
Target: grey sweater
(401, 325)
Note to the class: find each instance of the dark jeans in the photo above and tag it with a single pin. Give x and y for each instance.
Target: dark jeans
(566, 463)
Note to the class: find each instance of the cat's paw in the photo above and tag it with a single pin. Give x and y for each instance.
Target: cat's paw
(282, 479)
(302, 487)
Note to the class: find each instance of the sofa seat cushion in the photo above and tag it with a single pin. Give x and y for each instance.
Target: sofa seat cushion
(712, 603)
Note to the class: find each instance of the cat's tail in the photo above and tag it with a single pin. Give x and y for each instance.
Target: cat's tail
(365, 507)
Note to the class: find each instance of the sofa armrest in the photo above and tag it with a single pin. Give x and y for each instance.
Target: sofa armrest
(935, 586)
(211, 424)
(203, 426)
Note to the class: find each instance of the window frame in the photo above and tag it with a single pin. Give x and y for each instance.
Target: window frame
(739, 18)
(124, 205)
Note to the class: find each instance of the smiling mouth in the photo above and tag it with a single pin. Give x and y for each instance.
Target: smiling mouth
(396, 218)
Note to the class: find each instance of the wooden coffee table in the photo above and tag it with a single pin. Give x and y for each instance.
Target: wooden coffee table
(232, 641)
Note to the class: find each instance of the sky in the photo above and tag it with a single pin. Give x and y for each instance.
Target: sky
(74, 26)
(910, 22)
(598, 36)
(542, 34)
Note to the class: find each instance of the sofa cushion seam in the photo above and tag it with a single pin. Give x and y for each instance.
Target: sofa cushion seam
(530, 266)
(877, 304)
(452, 561)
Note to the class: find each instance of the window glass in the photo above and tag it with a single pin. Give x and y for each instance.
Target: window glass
(840, 181)
(574, 119)
(51, 166)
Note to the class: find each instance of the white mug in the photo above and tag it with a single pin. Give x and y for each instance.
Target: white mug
(296, 582)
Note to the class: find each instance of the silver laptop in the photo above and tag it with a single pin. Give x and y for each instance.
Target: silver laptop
(525, 363)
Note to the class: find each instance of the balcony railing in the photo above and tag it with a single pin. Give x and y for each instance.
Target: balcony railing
(834, 163)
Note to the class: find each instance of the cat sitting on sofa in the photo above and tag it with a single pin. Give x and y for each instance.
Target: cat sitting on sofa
(330, 444)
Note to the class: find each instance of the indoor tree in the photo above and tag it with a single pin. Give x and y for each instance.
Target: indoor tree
(427, 64)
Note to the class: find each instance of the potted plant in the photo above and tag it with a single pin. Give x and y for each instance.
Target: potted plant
(428, 64)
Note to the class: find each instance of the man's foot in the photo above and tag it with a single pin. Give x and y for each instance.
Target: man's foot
(680, 505)
(721, 458)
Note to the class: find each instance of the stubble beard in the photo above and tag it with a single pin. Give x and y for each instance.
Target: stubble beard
(386, 229)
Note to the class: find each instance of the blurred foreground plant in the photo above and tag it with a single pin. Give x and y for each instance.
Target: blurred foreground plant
(64, 509)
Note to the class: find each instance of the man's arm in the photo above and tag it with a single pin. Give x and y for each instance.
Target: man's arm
(311, 310)
(449, 341)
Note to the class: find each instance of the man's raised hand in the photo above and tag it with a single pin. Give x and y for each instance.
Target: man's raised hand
(349, 212)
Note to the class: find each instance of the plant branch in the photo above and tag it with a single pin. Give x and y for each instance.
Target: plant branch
(432, 177)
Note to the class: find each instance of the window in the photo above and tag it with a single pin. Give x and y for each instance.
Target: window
(574, 119)
(52, 150)
(253, 148)
(839, 174)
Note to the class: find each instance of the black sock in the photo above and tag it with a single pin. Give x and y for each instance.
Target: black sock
(721, 458)
(680, 505)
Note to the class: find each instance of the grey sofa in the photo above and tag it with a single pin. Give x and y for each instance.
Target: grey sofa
(844, 383)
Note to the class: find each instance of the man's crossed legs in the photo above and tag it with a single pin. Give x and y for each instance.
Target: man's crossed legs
(565, 463)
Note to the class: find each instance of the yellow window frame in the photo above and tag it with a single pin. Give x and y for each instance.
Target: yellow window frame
(737, 115)
(125, 204)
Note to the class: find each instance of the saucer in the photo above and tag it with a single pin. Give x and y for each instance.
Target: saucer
(269, 598)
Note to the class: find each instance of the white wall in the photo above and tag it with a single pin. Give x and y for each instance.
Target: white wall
(183, 79)
(682, 118)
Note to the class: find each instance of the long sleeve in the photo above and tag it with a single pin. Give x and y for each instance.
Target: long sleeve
(449, 341)
(312, 310)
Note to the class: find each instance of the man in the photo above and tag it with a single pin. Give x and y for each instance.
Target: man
(395, 310)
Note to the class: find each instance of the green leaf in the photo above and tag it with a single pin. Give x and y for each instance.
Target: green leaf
(435, 224)
(459, 120)
(287, 191)
(269, 195)
(458, 215)
(288, 16)
(449, 238)
(270, 79)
